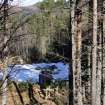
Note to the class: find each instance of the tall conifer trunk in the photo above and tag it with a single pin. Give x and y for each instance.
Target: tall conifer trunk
(99, 54)
(76, 52)
(94, 52)
(103, 58)
(73, 4)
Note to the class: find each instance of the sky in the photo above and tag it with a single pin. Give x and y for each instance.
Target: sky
(25, 2)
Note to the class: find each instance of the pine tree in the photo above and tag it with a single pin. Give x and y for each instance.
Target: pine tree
(94, 52)
(76, 52)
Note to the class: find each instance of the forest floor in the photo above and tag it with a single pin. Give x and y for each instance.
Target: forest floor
(56, 98)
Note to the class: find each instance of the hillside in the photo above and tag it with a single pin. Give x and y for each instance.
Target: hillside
(42, 25)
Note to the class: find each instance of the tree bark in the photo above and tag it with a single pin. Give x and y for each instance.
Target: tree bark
(4, 89)
(94, 52)
(19, 93)
(73, 4)
(5, 16)
(99, 69)
(103, 59)
(78, 57)
(76, 54)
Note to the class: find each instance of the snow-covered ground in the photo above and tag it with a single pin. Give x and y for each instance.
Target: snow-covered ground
(30, 73)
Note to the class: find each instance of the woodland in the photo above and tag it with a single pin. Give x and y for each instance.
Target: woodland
(88, 51)
(40, 33)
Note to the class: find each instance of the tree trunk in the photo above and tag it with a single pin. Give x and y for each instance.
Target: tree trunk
(103, 60)
(99, 54)
(5, 16)
(73, 3)
(4, 89)
(78, 58)
(19, 93)
(76, 54)
(94, 52)
(99, 69)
